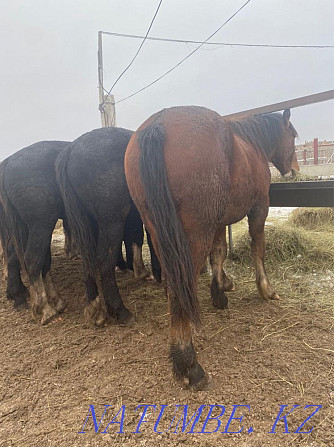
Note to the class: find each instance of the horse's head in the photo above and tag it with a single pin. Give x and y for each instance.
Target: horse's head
(284, 157)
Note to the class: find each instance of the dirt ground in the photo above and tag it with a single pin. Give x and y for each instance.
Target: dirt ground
(261, 354)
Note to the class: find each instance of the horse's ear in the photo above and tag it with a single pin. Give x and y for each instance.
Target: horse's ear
(286, 116)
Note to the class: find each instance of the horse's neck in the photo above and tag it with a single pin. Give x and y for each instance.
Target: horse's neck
(267, 144)
(255, 132)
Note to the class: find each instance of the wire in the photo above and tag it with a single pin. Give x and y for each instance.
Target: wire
(134, 57)
(185, 58)
(262, 45)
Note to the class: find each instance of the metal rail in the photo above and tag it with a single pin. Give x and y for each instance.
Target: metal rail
(297, 194)
(309, 194)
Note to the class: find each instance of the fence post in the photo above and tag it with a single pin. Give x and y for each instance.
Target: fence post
(315, 151)
(304, 156)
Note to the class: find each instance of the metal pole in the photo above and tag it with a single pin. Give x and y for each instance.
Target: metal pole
(230, 241)
(315, 151)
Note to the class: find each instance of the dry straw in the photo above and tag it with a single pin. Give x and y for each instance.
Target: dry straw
(289, 245)
(313, 218)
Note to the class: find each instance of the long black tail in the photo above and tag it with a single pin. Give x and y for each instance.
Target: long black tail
(82, 226)
(172, 243)
(4, 233)
(12, 224)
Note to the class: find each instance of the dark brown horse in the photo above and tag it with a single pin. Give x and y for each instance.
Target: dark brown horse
(190, 172)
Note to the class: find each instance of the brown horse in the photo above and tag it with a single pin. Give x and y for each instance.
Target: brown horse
(190, 172)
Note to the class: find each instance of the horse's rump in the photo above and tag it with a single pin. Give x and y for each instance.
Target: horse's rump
(12, 223)
(28, 189)
(90, 174)
(184, 152)
(81, 224)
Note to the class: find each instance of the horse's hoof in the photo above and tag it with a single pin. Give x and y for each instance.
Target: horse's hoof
(100, 320)
(60, 306)
(220, 301)
(143, 275)
(275, 296)
(197, 379)
(21, 305)
(203, 385)
(128, 320)
(48, 313)
(229, 287)
(150, 278)
(94, 312)
(220, 304)
(96, 318)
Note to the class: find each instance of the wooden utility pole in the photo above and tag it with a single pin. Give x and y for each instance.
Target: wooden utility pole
(106, 103)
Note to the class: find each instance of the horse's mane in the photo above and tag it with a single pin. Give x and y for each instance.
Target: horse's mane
(262, 131)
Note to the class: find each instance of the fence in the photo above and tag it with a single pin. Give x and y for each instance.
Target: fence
(315, 152)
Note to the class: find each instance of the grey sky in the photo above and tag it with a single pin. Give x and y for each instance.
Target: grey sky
(48, 54)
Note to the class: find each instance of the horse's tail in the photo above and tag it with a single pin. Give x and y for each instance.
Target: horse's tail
(12, 224)
(173, 246)
(4, 238)
(3, 227)
(82, 226)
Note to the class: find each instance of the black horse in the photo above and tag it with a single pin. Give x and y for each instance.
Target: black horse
(91, 177)
(15, 290)
(32, 206)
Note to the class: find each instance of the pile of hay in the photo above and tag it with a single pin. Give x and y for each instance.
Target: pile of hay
(313, 218)
(286, 246)
(298, 177)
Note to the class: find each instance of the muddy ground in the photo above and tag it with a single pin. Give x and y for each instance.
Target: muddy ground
(261, 354)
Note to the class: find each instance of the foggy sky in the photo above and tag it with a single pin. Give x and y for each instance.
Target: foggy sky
(48, 57)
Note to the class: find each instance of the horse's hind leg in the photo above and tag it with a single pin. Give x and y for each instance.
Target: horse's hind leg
(220, 281)
(109, 239)
(133, 239)
(121, 264)
(51, 290)
(70, 247)
(35, 256)
(16, 290)
(256, 220)
(139, 269)
(94, 311)
(186, 367)
(156, 268)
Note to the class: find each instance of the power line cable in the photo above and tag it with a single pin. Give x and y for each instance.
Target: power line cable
(230, 44)
(185, 58)
(134, 57)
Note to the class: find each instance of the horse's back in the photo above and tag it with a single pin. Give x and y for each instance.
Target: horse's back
(95, 166)
(36, 155)
(198, 156)
(30, 181)
(97, 151)
(33, 163)
(107, 143)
